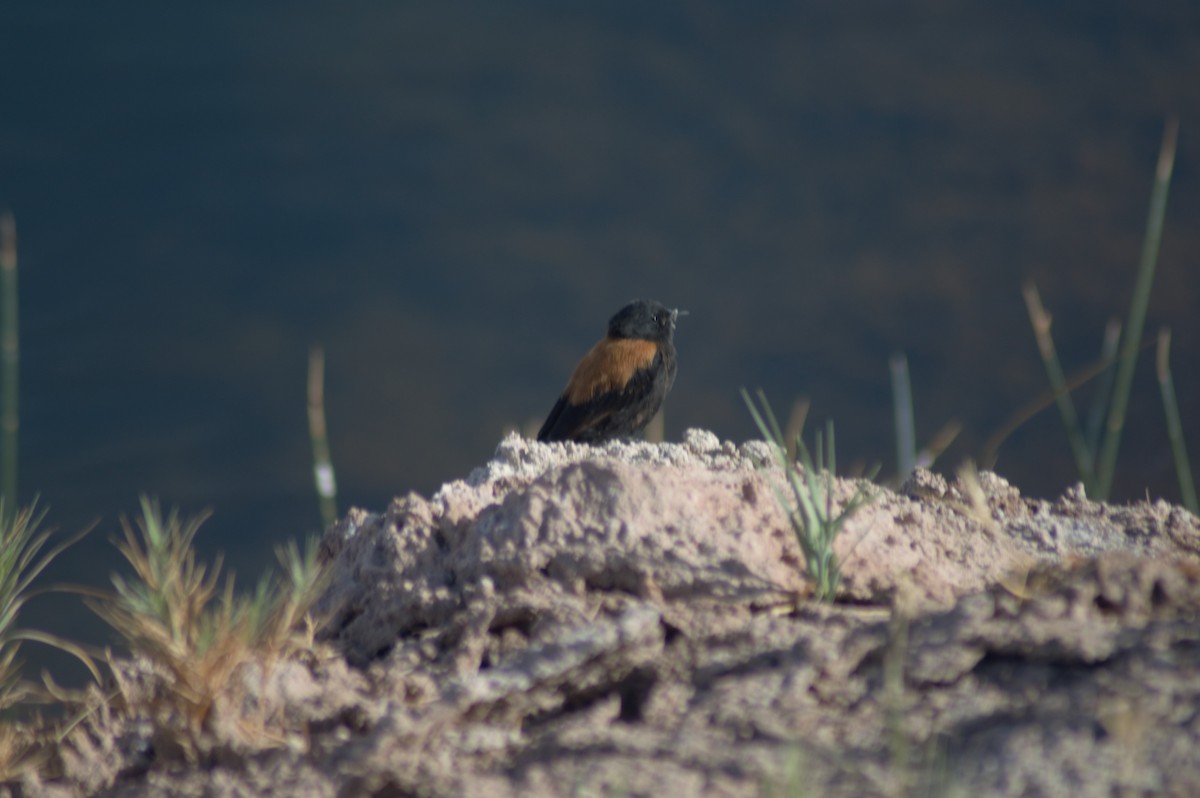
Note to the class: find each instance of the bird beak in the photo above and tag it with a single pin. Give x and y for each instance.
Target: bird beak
(675, 314)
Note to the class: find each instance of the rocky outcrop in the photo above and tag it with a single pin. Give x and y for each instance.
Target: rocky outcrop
(633, 619)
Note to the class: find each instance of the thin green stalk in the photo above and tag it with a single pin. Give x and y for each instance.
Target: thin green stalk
(323, 474)
(1183, 469)
(9, 361)
(902, 409)
(1040, 320)
(1104, 388)
(1137, 311)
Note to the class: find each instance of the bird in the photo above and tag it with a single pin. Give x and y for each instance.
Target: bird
(621, 383)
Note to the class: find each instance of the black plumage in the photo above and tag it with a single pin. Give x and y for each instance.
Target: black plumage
(621, 383)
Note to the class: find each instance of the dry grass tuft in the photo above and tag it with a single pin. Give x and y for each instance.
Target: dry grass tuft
(20, 564)
(196, 638)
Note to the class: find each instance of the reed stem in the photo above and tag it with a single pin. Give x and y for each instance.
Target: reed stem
(1183, 469)
(323, 474)
(1137, 310)
(904, 417)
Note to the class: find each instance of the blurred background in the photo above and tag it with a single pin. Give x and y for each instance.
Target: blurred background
(453, 197)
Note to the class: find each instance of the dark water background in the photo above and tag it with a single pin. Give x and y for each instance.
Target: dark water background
(453, 198)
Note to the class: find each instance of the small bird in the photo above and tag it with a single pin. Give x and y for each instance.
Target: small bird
(621, 383)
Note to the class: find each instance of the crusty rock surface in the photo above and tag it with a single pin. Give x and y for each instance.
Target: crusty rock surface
(632, 619)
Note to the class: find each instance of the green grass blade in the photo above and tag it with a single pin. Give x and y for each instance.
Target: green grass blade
(902, 411)
(1137, 311)
(1183, 469)
(831, 452)
(1104, 388)
(776, 432)
(754, 414)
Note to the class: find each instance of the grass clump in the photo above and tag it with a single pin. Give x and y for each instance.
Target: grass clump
(185, 620)
(811, 510)
(22, 560)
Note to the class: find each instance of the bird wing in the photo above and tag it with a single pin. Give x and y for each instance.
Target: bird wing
(551, 422)
(609, 380)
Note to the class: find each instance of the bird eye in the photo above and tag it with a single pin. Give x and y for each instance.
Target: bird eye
(658, 318)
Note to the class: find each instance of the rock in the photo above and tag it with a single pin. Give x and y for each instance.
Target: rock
(633, 619)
